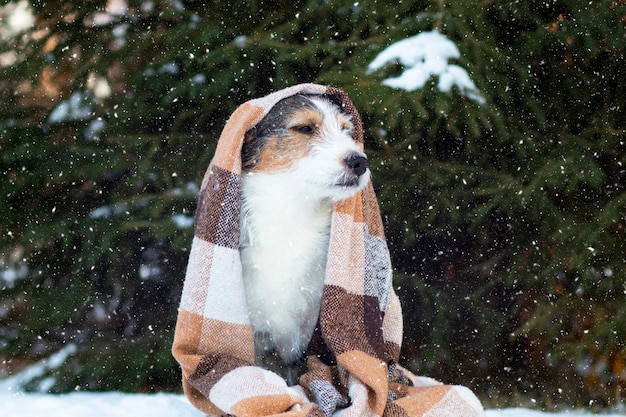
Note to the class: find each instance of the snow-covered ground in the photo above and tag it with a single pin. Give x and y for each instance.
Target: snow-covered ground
(14, 402)
(91, 404)
(116, 404)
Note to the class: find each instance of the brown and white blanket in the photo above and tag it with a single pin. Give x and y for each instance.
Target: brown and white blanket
(352, 358)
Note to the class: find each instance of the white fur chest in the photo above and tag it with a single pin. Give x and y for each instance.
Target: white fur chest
(284, 244)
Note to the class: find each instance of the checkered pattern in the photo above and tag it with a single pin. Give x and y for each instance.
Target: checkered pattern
(352, 358)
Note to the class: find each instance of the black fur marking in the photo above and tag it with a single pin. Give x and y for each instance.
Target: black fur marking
(274, 124)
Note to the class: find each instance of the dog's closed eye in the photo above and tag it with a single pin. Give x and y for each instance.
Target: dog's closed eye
(307, 129)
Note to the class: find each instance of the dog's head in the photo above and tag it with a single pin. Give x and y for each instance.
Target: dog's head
(310, 139)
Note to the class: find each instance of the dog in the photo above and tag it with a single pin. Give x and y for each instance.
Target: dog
(296, 162)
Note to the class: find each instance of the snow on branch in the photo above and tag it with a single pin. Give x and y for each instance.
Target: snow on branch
(17, 382)
(423, 56)
(77, 107)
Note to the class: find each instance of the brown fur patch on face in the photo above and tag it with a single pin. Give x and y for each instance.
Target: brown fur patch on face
(278, 155)
(286, 134)
(293, 143)
(345, 123)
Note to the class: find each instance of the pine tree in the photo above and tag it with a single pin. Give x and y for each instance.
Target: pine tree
(505, 217)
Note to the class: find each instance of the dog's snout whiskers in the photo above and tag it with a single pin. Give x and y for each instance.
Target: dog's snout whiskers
(357, 163)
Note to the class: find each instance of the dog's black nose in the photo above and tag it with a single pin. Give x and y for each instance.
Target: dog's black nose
(357, 163)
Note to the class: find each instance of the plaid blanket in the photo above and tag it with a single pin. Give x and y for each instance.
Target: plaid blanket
(352, 358)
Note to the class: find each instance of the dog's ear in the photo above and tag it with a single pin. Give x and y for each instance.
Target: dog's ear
(250, 149)
(249, 136)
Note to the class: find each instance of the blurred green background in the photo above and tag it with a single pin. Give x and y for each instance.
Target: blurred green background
(505, 215)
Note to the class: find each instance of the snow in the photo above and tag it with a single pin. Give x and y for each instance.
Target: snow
(16, 382)
(93, 129)
(426, 55)
(98, 85)
(12, 273)
(118, 404)
(182, 221)
(169, 68)
(104, 212)
(15, 18)
(77, 107)
(147, 272)
(198, 79)
(524, 412)
(113, 8)
(17, 403)
(109, 404)
(241, 41)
